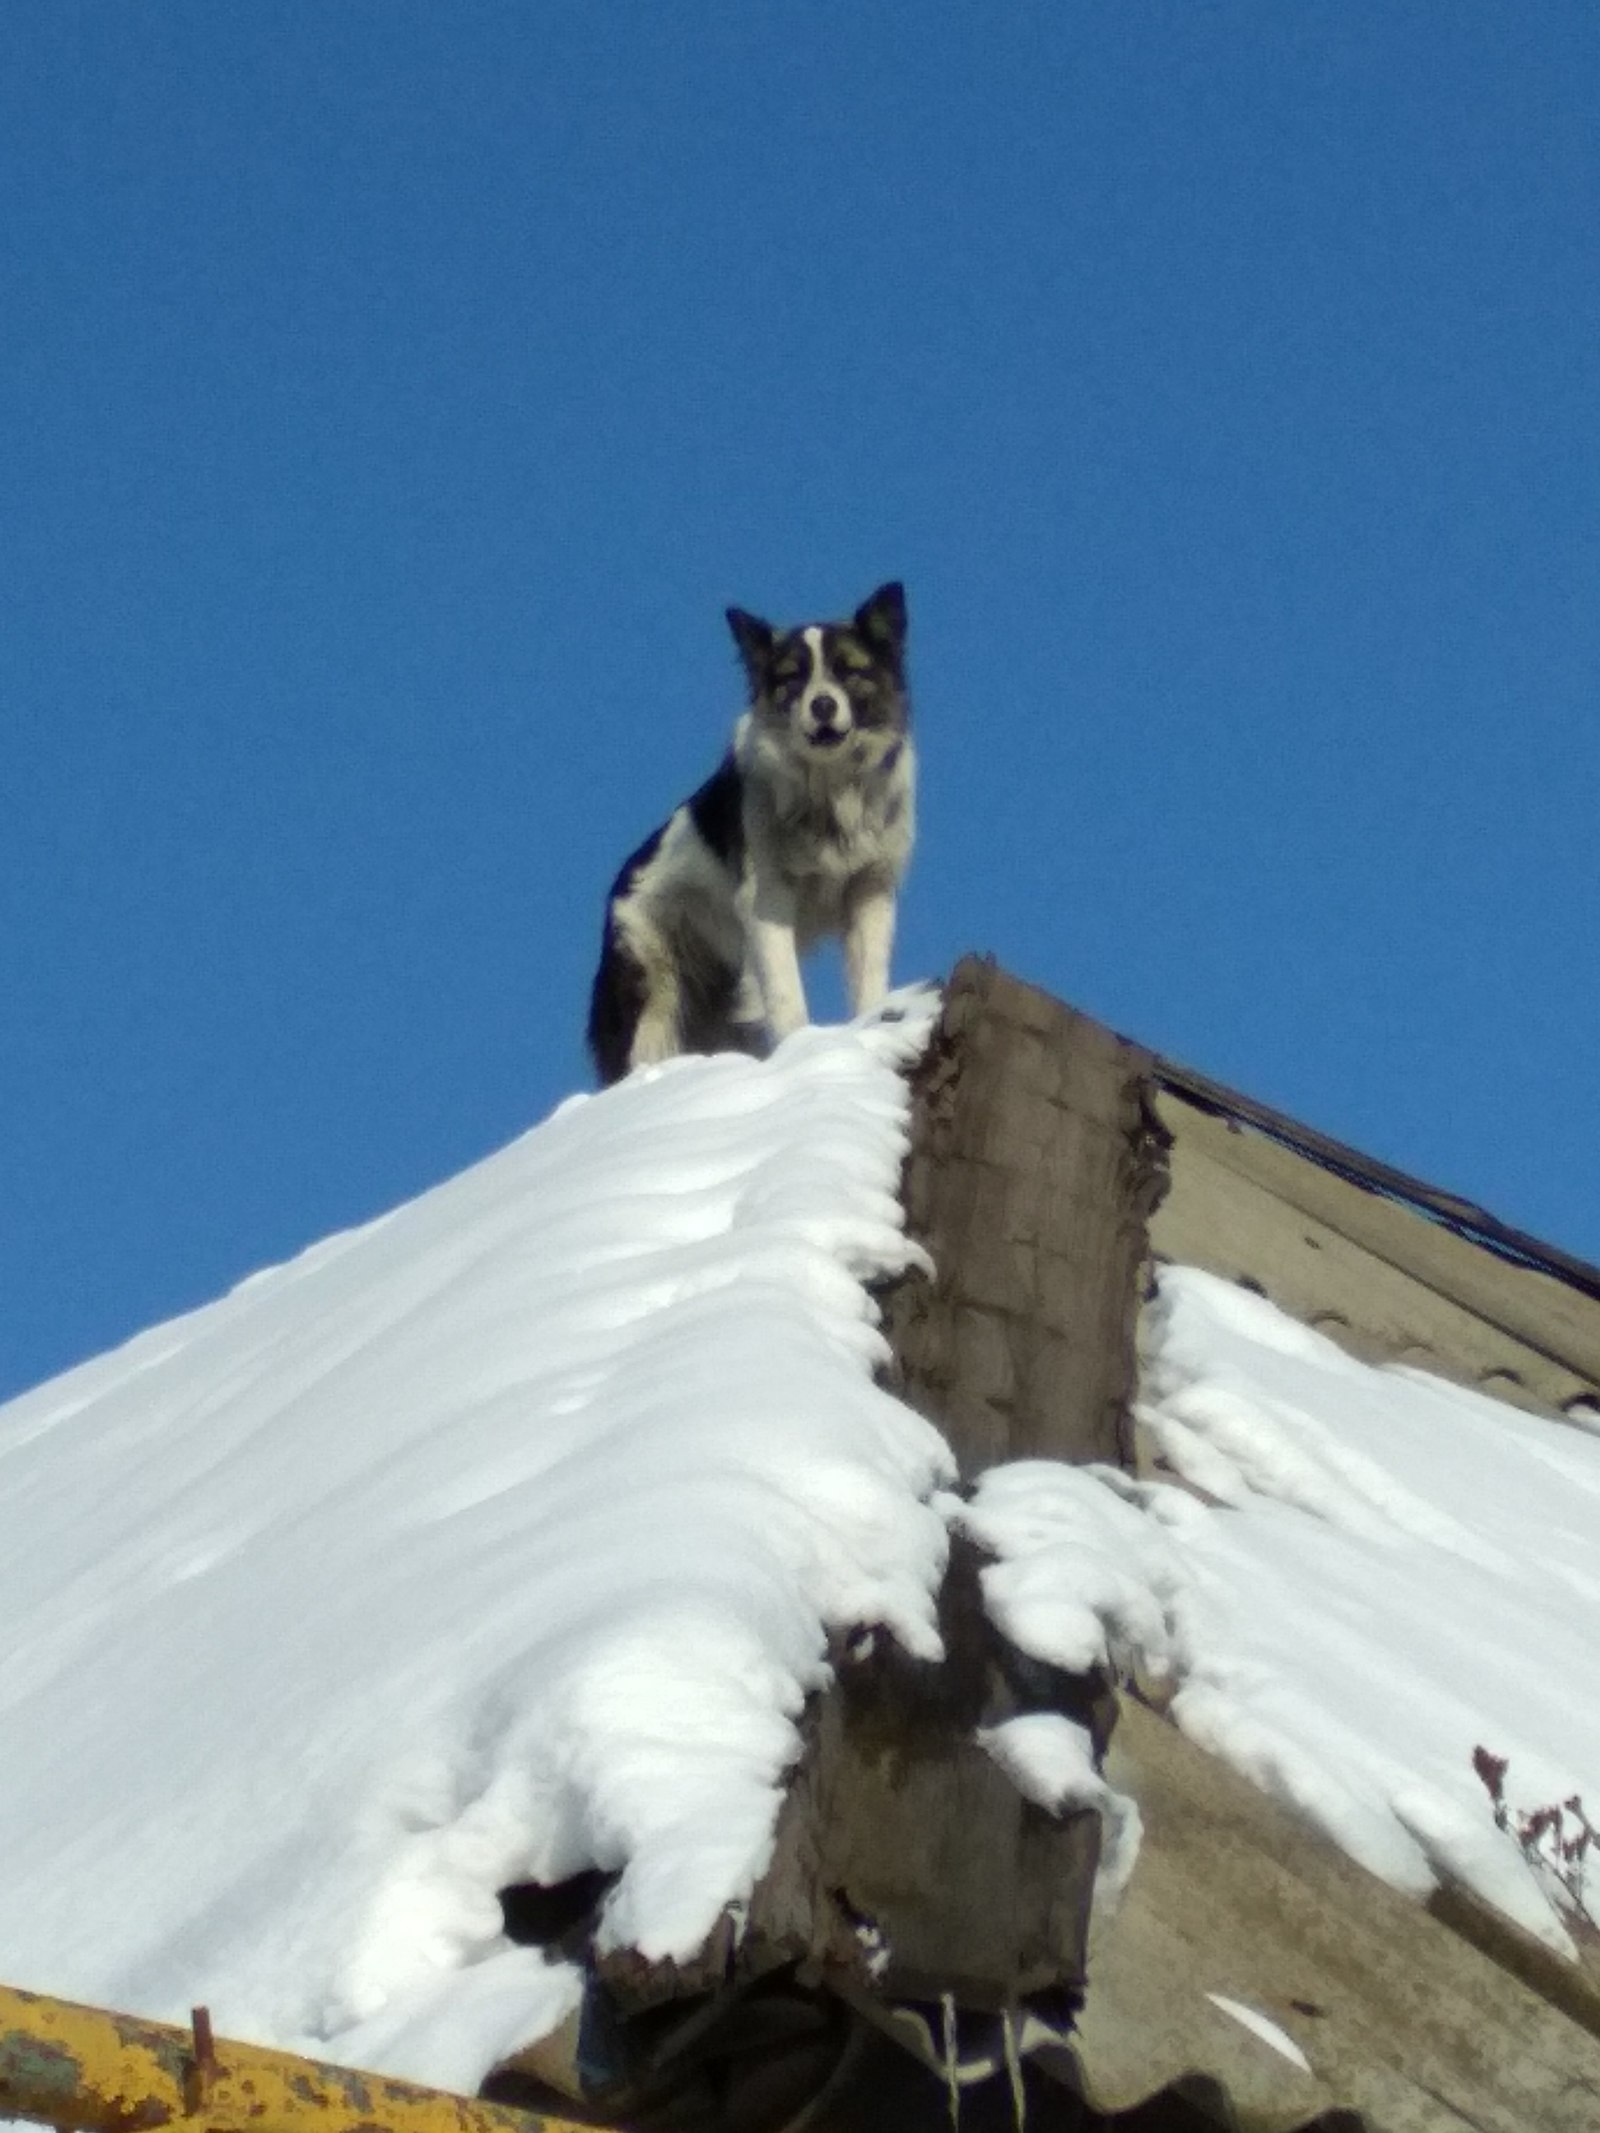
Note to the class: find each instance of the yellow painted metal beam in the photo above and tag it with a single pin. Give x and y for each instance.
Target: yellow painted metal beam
(95, 2072)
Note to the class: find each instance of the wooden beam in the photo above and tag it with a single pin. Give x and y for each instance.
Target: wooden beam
(905, 1862)
(1036, 1162)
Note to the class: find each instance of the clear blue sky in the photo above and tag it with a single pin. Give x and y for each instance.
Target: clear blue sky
(394, 395)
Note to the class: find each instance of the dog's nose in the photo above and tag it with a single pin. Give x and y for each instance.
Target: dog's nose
(824, 709)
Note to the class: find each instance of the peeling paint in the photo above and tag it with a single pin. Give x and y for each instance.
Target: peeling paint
(85, 2070)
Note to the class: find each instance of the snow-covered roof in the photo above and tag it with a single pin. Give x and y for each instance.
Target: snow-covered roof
(496, 1539)
(1373, 1580)
(506, 1537)
(1339, 1579)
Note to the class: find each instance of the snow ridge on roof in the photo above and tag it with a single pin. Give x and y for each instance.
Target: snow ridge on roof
(498, 1538)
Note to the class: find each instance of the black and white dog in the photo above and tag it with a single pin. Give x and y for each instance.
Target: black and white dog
(804, 832)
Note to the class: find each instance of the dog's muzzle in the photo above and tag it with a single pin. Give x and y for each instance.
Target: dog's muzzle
(827, 722)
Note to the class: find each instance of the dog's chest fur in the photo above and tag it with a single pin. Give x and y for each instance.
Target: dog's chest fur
(824, 827)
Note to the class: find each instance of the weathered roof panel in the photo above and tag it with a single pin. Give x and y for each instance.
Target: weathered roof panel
(1399, 2018)
(1394, 1275)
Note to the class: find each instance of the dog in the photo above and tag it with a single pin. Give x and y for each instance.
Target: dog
(803, 833)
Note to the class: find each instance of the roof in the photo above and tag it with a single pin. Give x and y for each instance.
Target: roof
(921, 1886)
(1250, 1975)
(1405, 2023)
(1393, 1269)
(498, 1536)
(1412, 2016)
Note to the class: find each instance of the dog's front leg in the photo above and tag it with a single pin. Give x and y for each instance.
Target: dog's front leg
(868, 943)
(776, 956)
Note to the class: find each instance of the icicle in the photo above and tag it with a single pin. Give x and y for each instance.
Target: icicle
(952, 2070)
(1011, 2021)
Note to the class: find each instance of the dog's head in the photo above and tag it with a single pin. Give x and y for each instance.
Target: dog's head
(826, 683)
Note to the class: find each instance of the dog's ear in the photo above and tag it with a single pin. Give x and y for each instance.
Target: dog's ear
(754, 639)
(882, 618)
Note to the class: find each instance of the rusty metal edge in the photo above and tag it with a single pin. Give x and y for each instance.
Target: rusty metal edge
(92, 2070)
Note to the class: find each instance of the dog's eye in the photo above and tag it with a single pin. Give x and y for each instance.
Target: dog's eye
(851, 659)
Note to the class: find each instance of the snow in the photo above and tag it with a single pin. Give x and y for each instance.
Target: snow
(1259, 2025)
(1370, 1574)
(505, 1536)
(1050, 1759)
(493, 1540)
